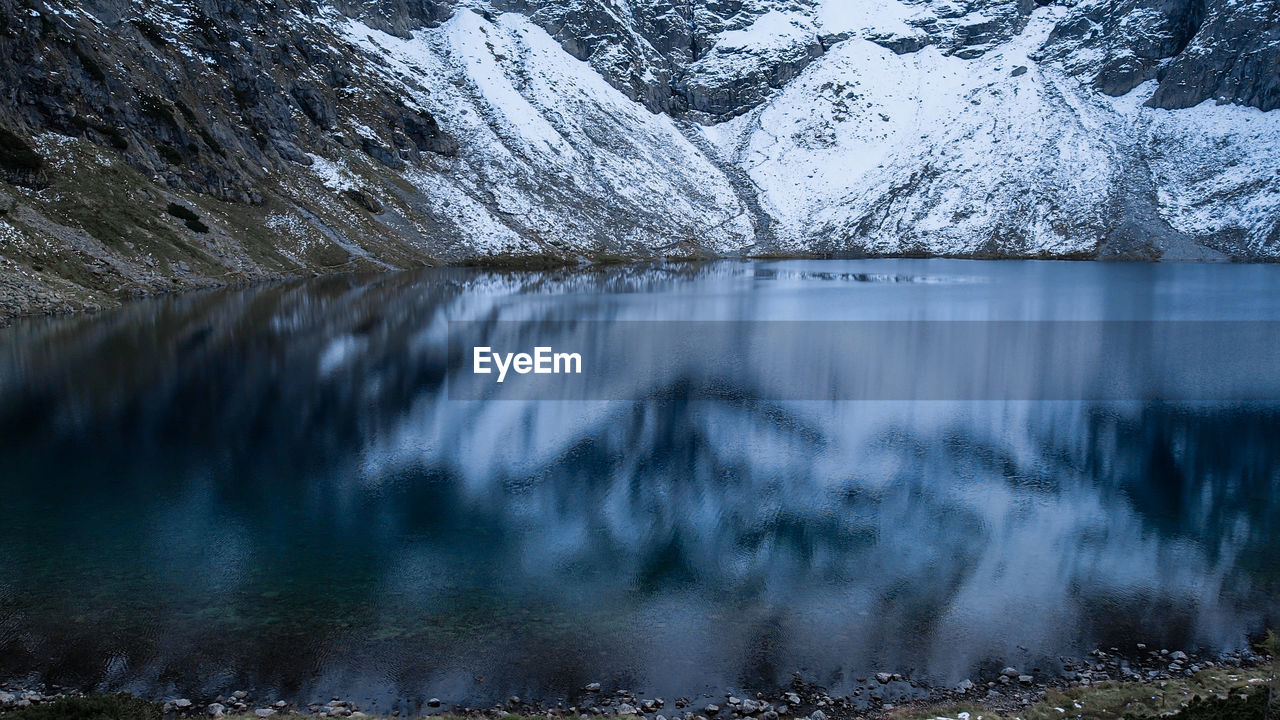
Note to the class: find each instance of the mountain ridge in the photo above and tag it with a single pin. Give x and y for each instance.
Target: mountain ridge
(173, 144)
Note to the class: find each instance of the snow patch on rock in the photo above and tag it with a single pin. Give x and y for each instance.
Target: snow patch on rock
(550, 150)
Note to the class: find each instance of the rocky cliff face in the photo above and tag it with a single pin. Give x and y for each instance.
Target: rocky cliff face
(167, 144)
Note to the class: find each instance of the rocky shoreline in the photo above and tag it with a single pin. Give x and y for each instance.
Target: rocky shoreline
(880, 695)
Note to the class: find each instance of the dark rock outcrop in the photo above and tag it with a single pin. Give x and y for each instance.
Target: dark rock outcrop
(396, 17)
(1134, 37)
(1197, 49)
(1235, 57)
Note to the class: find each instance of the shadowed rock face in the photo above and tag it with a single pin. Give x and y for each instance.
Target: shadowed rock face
(650, 50)
(674, 57)
(397, 17)
(662, 53)
(1234, 57)
(112, 73)
(1197, 49)
(1136, 35)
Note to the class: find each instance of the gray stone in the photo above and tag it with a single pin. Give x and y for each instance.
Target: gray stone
(1232, 57)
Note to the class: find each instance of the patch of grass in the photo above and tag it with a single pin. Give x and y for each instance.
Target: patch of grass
(1214, 694)
(114, 204)
(1271, 645)
(1252, 706)
(328, 255)
(509, 261)
(605, 258)
(101, 707)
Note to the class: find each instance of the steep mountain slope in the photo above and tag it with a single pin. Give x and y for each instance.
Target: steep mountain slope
(926, 152)
(235, 141)
(183, 143)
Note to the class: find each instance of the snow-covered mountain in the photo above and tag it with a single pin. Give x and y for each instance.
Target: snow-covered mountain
(157, 144)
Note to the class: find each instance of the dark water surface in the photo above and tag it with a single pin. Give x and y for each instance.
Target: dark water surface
(271, 489)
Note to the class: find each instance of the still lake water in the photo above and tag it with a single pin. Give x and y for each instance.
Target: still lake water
(272, 489)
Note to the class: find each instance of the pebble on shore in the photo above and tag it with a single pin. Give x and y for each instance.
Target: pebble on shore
(1011, 687)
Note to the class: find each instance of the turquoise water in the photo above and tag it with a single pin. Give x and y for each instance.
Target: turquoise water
(272, 488)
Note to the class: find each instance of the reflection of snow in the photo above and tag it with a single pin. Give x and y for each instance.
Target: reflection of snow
(682, 541)
(989, 516)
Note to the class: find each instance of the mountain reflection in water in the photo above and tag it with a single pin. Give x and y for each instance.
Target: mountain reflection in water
(269, 488)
